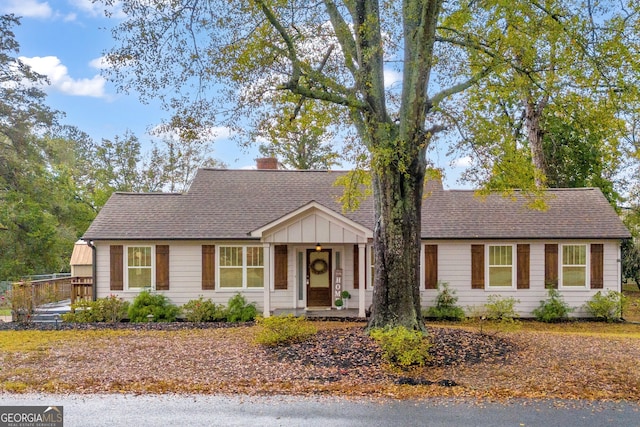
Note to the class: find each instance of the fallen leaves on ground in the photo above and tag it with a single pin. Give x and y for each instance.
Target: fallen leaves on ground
(341, 359)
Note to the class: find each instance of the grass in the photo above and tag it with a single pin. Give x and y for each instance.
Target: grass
(36, 341)
(5, 312)
(632, 311)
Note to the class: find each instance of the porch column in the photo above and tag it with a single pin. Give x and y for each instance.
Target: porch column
(268, 279)
(362, 259)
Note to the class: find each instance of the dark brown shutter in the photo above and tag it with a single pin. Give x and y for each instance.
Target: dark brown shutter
(116, 269)
(597, 266)
(280, 268)
(162, 267)
(523, 266)
(356, 267)
(431, 266)
(477, 266)
(208, 267)
(551, 266)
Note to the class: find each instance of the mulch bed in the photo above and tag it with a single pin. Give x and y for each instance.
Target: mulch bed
(355, 348)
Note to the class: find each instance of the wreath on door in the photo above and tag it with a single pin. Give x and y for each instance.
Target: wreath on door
(319, 266)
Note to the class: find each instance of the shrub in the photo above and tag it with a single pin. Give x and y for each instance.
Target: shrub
(201, 310)
(81, 312)
(501, 308)
(110, 309)
(403, 347)
(238, 310)
(446, 308)
(158, 305)
(607, 306)
(282, 330)
(553, 309)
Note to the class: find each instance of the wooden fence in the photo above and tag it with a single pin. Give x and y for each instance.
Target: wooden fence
(81, 289)
(25, 296)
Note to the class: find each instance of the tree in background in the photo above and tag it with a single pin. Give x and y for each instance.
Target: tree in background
(631, 258)
(54, 178)
(39, 211)
(303, 143)
(218, 62)
(179, 160)
(121, 165)
(554, 114)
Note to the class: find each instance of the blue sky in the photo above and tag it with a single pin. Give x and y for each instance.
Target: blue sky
(65, 40)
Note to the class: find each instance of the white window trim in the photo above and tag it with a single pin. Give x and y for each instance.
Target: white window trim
(514, 266)
(126, 268)
(369, 260)
(244, 269)
(587, 275)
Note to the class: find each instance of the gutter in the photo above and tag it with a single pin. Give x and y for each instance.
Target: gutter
(94, 276)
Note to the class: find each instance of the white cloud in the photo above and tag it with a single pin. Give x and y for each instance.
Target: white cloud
(87, 6)
(60, 79)
(96, 9)
(391, 77)
(218, 133)
(462, 162)
(70, 17)
(212, 134)
(99, 63)
(27, 8)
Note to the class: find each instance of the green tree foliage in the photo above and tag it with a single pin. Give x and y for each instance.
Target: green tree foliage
(301, 149)
(553, 114)
(631, 247)
(122, 165)
(179, 160)
(300, 138)
(41, 210)
(215, 62)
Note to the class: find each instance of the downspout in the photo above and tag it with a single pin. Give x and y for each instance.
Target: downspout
(94, 276)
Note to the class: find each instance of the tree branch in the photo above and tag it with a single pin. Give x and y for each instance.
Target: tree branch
(344, 36)
(275, 23)
(302, 98)
(460, 87)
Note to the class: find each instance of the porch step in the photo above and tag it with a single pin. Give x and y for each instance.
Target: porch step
(49, 313)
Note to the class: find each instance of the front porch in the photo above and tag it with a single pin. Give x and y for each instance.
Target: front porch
(317, 253)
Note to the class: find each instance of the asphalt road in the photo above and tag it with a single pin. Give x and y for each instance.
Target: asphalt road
(197, 410)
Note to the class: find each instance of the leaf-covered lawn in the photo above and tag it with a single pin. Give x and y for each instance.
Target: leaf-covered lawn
(582, 360)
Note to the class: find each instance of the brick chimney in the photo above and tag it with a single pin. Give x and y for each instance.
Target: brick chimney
(267, 163)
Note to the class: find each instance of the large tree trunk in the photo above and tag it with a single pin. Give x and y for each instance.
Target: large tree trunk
(535, 133)
(398, 201)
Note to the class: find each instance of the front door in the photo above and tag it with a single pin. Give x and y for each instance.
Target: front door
(319, 278)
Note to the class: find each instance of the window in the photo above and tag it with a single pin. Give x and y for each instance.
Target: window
(501, 266)
(574, 266)
(241, 267)
(139, 267)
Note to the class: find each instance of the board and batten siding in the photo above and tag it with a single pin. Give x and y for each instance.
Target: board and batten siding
(454, 268)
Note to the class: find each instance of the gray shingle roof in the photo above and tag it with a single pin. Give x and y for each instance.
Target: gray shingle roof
(229, 204)
(576, 213)
(221, 204)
